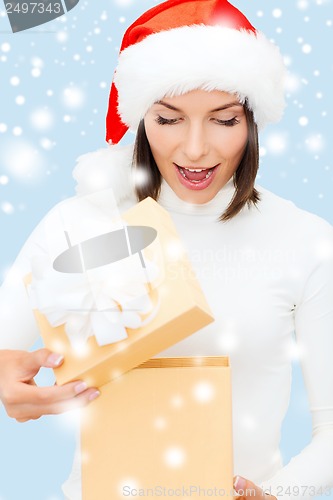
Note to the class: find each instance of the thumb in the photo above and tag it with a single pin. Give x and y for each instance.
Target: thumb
(32, 363)
(246, 488)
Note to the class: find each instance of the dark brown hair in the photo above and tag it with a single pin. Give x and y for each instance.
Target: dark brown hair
(244, 177)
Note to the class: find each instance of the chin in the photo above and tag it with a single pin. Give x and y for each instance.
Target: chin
(196, 197)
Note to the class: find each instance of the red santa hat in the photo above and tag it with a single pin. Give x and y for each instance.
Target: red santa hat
(182, 45)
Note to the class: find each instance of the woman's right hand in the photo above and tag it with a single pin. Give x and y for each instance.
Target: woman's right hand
(23, 399)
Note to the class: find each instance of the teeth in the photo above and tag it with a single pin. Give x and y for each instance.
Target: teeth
(184, 175)
(195, 169)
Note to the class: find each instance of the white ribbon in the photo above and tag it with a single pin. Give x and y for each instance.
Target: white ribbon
(101, 302)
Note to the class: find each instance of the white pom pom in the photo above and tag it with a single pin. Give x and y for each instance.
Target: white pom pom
(105, 168)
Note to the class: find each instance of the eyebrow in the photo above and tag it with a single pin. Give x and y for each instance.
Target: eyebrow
(221, 108)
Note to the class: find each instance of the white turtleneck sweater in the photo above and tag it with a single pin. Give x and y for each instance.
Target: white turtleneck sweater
(266, 274)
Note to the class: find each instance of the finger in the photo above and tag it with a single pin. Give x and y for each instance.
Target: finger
(33, 412)
(246, 489)
(23, 420)
(44, 396)
(33, 361)
(72, 404)
(58, 394)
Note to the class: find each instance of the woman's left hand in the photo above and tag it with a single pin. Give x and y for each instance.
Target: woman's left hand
(246, 489)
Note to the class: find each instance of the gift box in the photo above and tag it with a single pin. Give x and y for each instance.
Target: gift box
(162, 429)
(177, 304)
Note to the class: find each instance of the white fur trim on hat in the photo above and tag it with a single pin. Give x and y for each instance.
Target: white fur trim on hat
(105, 168)
(176, 61)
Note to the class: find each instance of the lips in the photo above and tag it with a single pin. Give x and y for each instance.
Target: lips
(195, 178)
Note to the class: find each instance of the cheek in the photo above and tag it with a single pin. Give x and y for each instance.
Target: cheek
(160, 139)
(151, 132)
(233, 144)
(154, 136)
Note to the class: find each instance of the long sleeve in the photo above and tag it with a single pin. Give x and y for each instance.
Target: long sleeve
(19, 330)
(310, 473)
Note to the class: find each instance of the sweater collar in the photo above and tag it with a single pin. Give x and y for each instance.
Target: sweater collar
(170, 201)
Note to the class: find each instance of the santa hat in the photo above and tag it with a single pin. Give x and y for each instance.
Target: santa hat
(182, 45)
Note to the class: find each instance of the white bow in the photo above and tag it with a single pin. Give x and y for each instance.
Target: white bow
(101, 302)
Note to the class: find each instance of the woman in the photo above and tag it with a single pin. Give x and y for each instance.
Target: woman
(196, 80)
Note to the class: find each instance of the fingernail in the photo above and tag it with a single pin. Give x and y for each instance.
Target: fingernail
(55, 359)
(80, 387)
(93, 395)
(239, 483)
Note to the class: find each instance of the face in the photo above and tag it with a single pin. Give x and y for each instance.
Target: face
(197, 140)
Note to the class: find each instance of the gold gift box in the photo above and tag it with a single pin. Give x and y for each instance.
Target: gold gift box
(162, 429)
(182, 311)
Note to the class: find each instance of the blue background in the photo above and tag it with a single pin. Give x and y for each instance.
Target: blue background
(54, 84)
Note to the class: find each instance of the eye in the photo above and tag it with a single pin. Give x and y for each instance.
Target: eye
(165, 121)
(228, 123)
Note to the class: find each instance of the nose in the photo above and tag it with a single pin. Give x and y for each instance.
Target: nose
(195, 143)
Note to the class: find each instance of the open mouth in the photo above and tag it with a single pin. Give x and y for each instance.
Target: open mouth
(196, 178)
